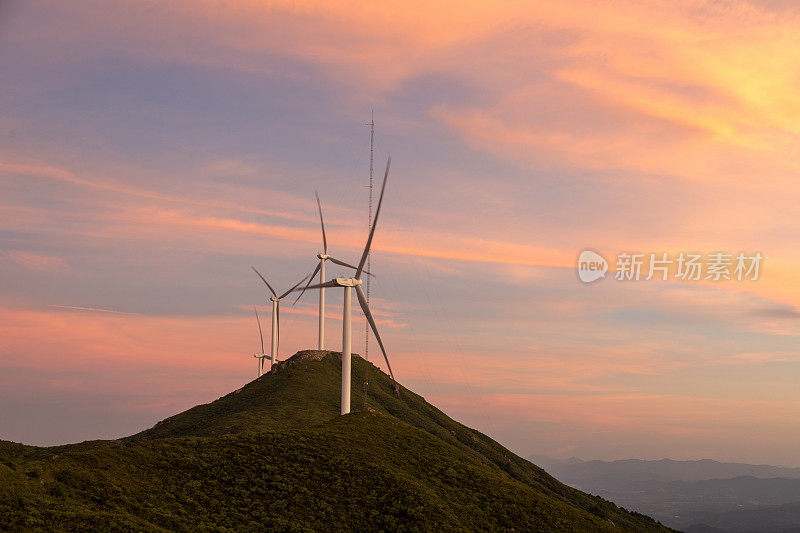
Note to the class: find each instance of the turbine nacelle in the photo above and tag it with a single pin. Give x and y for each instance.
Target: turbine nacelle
(347, 282)
(274, 299)
(323, 256)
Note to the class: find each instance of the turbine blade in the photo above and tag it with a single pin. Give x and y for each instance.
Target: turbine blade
(347, 265)
(265, 281)
(321, 223)
(325, 285)
(295, 286)
(341, 263)
(362, 299)
(261, 335)
(310, 278)
(374, 222)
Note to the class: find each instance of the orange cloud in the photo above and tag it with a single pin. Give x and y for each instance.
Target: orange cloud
(136, 221)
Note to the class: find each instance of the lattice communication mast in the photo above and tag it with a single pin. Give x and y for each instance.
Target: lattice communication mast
(371, 125)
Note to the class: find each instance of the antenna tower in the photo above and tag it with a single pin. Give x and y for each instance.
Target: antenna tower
(369, 268)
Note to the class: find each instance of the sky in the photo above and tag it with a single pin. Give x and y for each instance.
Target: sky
(152, 152)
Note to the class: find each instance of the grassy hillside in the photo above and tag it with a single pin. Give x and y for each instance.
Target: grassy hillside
(276, 454)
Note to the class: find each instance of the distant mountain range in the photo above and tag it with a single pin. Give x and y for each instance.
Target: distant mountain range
(276, 455)
(696, 496)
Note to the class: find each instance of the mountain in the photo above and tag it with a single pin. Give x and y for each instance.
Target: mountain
(692, 495)
(662, 470)
(276, 454)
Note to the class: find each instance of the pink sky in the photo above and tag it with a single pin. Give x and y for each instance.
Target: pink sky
(154, 151)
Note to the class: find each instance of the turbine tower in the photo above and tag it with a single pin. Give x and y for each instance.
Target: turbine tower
(348, 284)
(260, 356)
(321, 269)
(276, 315)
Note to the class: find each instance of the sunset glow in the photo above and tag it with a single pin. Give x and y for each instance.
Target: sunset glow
(153, 151)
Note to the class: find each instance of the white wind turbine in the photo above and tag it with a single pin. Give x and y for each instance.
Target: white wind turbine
(276, 315)
(321, 269)
(260, 356)
(348, 284)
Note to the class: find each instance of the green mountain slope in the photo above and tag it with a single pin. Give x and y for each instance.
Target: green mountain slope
(276, 454)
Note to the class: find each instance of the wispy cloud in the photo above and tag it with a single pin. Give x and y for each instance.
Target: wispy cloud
(93, 309)
(35, 260)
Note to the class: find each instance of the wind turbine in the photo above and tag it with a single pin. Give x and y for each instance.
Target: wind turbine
(276, 315)
(321, 269)
(348, 284)
(260, 356)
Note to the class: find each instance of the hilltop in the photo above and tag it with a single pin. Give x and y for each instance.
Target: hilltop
(276, 454)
